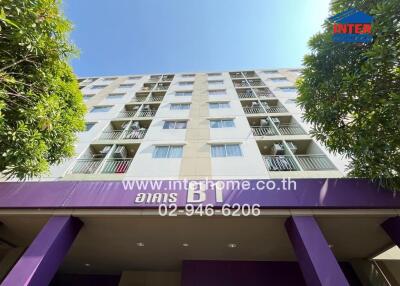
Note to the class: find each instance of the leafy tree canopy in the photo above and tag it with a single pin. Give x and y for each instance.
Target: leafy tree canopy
(351, 92)
(41, 106)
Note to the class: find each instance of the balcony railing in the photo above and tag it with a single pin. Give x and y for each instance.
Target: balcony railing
(156, 98)
(253, 110)
(161, 87)
(256, 83)
(291, 129)
(125, 114)
(275, 109)
(246, 95)
(116, 166)
(250, 74)
(86, 166)
(139, 99)
(121, 134)
(280, 163)
(147, 113)
(315, 162)
(236, 75)
(263, 131)
(263, 93)
(241, 84)
(134, 134)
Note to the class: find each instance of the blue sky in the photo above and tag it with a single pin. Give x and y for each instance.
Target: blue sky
(119, 37)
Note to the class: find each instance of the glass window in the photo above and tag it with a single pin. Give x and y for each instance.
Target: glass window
(134, 77)
(222, 123)
(126, 85)
(184, 83)
(215, 82)
(104, 108)
(115, 95)
(279, 79)
(218, 105)
(217, 92)
(183, 93)
(98, 86)
(86, 97)
(168, 151)
(89, 125)
(180, 106)
(214, 74)
(226, 150)
(271, 71)
(188, 75)
(288, 89)
(171, 124)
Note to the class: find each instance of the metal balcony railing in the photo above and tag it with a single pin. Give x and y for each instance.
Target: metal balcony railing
(263, 93)
(124, 114)
(315, 162)
(253, 110)
(291, 129)
(116, 166)
(246, 95)
(275, 109)
(155, 98)
(147, 113)
(241, 84)
(161, 87)
(111, 135)
(236, 75)
(280, 163)
(263, 131)
(250, 74)
(167, 78)
(256, 83)
(134, 134)
(139, 99)
(86, 166)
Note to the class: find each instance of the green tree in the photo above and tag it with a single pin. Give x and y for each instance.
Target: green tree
(41, 106)
(350, 92)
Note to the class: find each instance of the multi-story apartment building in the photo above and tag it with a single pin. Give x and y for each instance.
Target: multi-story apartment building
(89, 221)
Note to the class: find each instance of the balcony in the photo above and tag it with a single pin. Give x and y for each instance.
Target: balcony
(255, 82)
(147, 113)
(263, 92)
(127, 113)
(123, 134)
(162, 86)
(291, 129)
(249, 74)
(280, 163)
(240, 83)
(86, 166)
(263, 131)
(245, 93)
(154, 78)
(167, 77)
(147, 87)
(156, 97)
(253, 110)
(273, 106)
(116, 166)
(236, 75)
(140, 97)
(315, 162)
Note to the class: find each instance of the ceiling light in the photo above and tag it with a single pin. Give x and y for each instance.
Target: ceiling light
(87, 264)
(185, 244)
(232, 245)
(140, 244)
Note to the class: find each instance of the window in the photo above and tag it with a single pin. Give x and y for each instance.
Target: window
(103, 108)
(168, 151)
(221, 123)
(214, 74)
(89, 125)
(288, 89)
(218, 105)
(126, 85)
(183, 93)
(98, 86)
(271, 71)
(217, 92)
(291, 101)
(86, 97)
(185, 83)
(215, 82)
(134, 77)
(173, 124)
(279, 79)
(188, 75)
(226, 150)
(115, 95)
(109, 79)
(180, 106)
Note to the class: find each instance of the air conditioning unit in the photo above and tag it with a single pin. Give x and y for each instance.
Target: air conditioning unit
(264, 122)
(277, 149)
(105, 150)
(255, 104)
(120, 152)
(146, 107)
(276, 121)
(124, 125)
(135, 125)
(291, 146)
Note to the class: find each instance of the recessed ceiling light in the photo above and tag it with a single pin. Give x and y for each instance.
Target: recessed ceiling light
(185, 244)
(330, 245)
(87, 264)
(232, 245)
(140, 244)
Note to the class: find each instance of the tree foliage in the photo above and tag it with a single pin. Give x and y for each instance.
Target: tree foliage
(41, 107)
(351, 92)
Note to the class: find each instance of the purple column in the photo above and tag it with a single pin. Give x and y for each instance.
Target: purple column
(316, 260)
(392, 228)
(43, 257)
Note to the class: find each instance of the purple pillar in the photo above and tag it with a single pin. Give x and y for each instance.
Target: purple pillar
(40, 262)
(316, 260)
(392, 228)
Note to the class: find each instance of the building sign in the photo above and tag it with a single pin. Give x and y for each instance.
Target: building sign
(352, 26)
